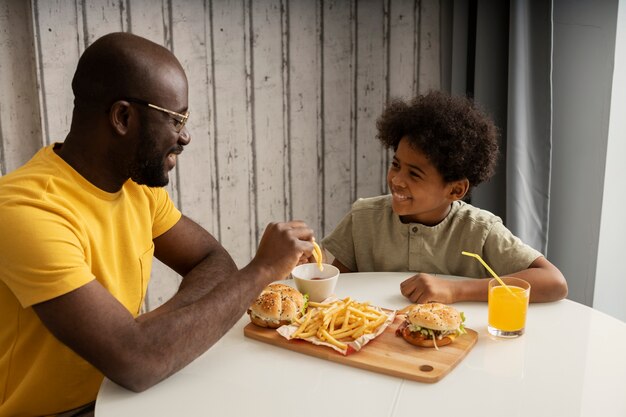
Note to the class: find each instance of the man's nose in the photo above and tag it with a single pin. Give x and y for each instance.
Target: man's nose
(184, 137)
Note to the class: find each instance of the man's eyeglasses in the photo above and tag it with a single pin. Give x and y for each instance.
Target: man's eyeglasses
(180, 118)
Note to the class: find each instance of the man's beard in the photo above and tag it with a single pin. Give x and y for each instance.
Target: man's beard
(149, 165)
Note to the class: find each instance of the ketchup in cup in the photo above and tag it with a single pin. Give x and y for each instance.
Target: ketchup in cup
(319, 285)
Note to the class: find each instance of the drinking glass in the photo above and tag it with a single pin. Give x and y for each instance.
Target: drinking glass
(508, 306)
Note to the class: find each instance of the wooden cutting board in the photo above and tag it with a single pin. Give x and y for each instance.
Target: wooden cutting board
(387, 354)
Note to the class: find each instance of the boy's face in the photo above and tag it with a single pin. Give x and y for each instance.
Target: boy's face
(419, 193)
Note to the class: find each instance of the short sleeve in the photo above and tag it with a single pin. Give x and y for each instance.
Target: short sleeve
(341, 243)
(166, 215)
(45, 258)
(505, 252)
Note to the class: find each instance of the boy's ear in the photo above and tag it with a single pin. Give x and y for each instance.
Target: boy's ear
(458, 189)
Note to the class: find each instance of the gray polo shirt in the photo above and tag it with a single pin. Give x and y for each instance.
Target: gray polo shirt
(371, 237)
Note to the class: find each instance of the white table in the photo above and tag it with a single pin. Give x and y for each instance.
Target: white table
(571, 362)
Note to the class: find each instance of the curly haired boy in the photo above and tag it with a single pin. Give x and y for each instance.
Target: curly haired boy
(444, 146)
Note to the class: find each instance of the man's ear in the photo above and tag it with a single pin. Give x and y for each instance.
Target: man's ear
(119, 117)
(458, 189)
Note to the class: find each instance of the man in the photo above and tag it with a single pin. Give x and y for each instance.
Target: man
(79, 225)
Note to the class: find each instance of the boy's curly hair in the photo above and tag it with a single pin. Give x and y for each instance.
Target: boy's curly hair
(459, 139)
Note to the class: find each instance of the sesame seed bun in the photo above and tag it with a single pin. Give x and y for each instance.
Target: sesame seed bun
(278, 304)
(435, 316)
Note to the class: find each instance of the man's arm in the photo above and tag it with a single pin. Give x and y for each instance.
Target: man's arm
(137, 353)
(191, 251)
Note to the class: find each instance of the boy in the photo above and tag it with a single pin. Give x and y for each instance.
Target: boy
(444, 146)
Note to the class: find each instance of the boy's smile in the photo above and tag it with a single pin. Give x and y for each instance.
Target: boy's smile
(419, 193)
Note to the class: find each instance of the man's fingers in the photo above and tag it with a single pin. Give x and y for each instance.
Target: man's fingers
(300, 229)
(303, 259)
(306, 247)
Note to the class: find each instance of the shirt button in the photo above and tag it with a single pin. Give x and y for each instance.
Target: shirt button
(414, 229)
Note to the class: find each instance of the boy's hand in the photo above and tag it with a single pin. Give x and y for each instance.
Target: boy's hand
(423, 288)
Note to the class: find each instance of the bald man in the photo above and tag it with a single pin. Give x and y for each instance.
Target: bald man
(81, 222)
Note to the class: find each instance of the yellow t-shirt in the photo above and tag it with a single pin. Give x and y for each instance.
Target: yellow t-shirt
(57, 233)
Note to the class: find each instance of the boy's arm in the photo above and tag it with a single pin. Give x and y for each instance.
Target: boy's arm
(546, 281)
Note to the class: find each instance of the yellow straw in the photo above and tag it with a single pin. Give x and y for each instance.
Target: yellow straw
(475, 255)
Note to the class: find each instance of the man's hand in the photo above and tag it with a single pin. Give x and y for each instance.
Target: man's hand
(282, 247)
(423, 288)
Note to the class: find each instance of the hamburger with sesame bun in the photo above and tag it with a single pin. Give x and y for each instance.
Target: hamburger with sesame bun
(431, 325)
(277, 305)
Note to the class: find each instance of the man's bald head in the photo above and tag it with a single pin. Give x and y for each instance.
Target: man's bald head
(121, 65)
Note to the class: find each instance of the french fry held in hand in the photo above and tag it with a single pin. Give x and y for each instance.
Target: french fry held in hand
(339, 320)
(317, 254)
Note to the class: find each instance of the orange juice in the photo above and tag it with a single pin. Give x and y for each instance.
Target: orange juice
(508, 306)
(507, 311)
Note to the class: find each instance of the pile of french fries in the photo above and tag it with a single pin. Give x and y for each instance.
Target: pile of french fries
(339, 320)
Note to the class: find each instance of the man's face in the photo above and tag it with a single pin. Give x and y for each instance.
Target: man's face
(160, 138)
(159, 145)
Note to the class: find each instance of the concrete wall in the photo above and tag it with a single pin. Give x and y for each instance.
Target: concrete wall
(284, 95)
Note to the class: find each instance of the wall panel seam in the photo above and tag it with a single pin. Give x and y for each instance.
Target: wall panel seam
(354, 97)
(321, 119)
(40, 76)
(286, 82)
(213, 111)
(249, 57)
(417, 46)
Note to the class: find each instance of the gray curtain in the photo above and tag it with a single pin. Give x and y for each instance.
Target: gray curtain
(529, 127)
(511, 79)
